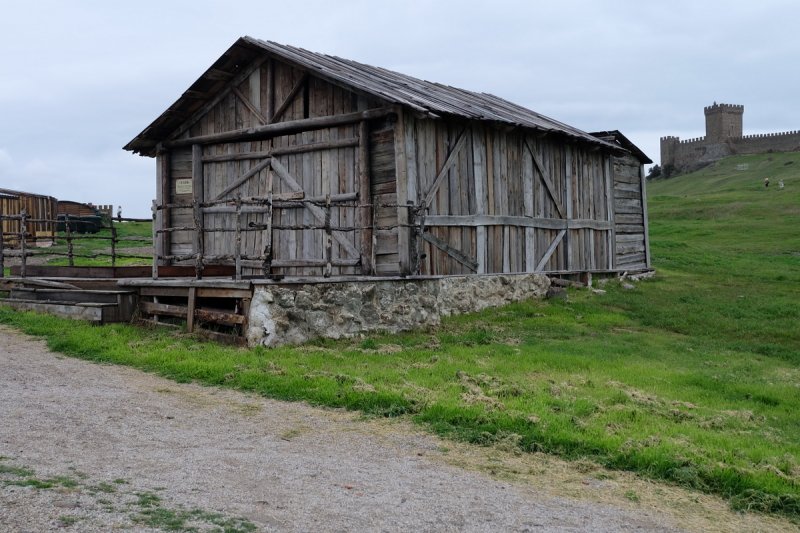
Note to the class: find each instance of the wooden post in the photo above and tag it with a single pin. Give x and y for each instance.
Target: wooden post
(237, 253)
(113, 245)
(68, 231)
(164, 198)
(197, 199)
(155, 240)
(267, 266)
(643, 181)
(365, 211)
(479, 176)
(328, 238)
(23, 229)
(190, 306)
(612, 234)
(404, 234)
(568, 202)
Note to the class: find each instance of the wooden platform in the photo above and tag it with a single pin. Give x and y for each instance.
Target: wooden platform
(215, 307)
(62, 299)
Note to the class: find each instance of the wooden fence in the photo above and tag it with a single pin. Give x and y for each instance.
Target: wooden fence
(23, 237)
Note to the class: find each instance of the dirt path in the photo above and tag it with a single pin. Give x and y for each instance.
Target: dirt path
(121, 449)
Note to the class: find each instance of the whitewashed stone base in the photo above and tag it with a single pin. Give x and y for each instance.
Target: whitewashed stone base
(294, 313)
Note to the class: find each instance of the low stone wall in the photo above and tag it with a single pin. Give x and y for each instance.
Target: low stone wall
(293, 313)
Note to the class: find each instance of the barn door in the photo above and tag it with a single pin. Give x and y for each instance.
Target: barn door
(284, 207)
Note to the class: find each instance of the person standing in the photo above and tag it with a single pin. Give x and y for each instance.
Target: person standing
(766, 182)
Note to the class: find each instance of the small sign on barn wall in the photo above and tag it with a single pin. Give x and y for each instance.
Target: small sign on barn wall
(183, 186)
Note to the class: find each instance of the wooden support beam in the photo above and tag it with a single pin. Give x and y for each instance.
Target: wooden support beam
(545, 179)
(643, 182)
(452, 157)
(283, 128)
(568, 174)
(243, 178)
(287, 150)
(164, 196)
(550, 250)
(458, 255)
(403, 170)
(276, 116)
(197, 213)
(364, 215)
(190, 309)
(612, 234)
(508, 220)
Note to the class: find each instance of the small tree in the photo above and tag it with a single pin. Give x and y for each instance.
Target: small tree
(655, 172)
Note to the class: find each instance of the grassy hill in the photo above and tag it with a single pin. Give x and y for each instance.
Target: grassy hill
(692, 378)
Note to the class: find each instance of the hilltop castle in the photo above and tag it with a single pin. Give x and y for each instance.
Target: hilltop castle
(723, 138)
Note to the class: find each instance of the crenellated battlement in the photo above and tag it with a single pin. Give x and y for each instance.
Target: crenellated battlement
(768, 135)
(723, 137)
(726, 108)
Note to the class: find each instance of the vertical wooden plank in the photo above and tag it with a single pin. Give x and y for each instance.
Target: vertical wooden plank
(401, 171)
(197, 199)
(528, 208)
(479, 178)
(568, 175)
(365, 200)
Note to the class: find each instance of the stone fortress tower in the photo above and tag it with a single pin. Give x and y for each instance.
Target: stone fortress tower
(724, 137)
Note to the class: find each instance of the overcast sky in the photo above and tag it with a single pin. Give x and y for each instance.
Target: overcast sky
(79, 79)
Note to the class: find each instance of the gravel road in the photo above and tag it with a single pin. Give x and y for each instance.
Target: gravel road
(88, 447)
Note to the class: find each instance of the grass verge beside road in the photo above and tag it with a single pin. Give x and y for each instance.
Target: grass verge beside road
(690, 378)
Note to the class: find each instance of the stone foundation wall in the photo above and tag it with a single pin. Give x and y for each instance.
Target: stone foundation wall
(293, 313)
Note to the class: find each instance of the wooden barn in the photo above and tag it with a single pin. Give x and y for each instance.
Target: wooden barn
(40, 224)
(283, 162)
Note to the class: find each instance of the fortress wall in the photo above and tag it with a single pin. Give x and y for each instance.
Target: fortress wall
(694, 152)
(767, 142)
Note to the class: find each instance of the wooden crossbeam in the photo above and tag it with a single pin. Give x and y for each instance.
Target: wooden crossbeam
(243, 178)
(448, 164)
(317, 212)
(282, 128)
(508, 220)
(289, 98)
(546, 179)
(550, 250)
(458, 255)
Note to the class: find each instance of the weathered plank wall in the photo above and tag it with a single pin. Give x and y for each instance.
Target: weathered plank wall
(500, 201)
(630, 214)
(41, 211)
(315, 163)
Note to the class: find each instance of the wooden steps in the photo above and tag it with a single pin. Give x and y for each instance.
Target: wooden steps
(98, 306)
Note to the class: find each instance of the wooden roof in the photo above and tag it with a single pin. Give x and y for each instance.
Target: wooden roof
(425, 97)
(616, 137)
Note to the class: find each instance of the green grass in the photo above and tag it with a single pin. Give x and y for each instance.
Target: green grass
(691, 378)
(94, 249)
